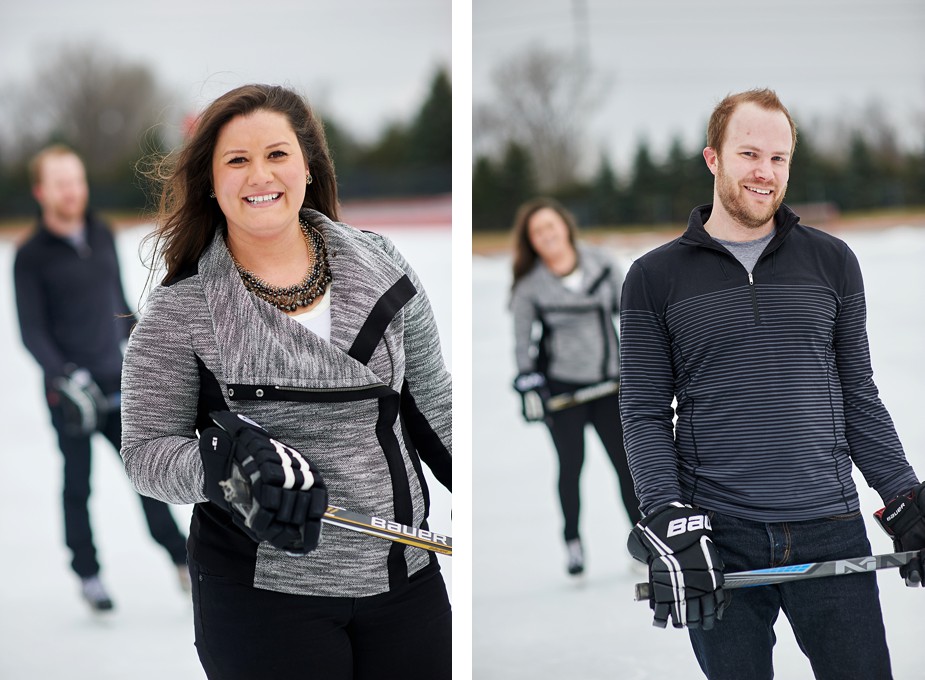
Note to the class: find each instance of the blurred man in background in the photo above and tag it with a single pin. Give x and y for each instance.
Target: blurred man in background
(74, 320)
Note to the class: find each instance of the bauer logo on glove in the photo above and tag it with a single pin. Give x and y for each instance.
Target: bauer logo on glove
(534, 393)
(685, 569)
(903, 519)
(272, 491)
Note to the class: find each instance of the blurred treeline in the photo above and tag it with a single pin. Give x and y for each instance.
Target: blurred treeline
(529, 139)
(654, 191)
(117, 117)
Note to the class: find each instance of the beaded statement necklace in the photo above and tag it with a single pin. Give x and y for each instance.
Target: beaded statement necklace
(302, 294)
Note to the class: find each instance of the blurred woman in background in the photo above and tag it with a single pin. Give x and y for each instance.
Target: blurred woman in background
(563, 299)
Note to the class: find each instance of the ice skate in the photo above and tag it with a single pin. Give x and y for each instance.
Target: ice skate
(576, 557)
(93, 591)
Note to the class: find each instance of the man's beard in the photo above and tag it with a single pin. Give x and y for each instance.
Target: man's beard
(69, 210)
(733, 201)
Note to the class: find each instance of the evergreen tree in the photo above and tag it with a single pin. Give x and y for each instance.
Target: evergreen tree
(605, 199)
(345, 152)
(861, 181)
(913, 175)
(517, 180)
(486, 196)
(807, 172)
(498, 190)
(390, 150)
(431, 134)
(675, 182)
(643, 190)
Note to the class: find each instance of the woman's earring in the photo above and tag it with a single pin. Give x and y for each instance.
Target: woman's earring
(308, 179)
(212, 194)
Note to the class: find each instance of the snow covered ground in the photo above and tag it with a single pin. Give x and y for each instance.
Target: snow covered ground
(531, 621)
(46, 631)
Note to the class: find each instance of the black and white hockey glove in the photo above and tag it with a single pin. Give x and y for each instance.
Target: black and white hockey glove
(685, 569)
(273, 492)
(903, 519)
(533, 393)
(82, 404)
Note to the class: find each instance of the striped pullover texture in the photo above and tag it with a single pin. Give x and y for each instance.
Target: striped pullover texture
(569, 335)
(771, 372)
(367, 408)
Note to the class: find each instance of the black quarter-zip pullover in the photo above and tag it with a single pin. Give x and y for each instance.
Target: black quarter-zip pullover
(771, 372)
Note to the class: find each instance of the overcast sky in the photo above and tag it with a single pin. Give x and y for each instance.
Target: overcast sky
(370, 61)
(670, 61)
(366, 61)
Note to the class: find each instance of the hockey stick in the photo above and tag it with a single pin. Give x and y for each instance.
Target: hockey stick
(389, 530)
(237, 490)
(583, 395)
(798, 572)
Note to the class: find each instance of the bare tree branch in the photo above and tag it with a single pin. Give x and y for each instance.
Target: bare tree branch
(90, 98)
(543, 101)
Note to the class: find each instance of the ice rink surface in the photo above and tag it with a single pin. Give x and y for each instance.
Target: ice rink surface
(46, 630)
(530, 620)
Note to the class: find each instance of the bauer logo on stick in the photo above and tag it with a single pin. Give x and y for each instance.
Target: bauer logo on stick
(399, 528)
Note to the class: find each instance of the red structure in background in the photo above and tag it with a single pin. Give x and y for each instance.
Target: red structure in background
(424, 211)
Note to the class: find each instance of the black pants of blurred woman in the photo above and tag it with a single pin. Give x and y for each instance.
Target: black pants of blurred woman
(567, 428)
(244, 633)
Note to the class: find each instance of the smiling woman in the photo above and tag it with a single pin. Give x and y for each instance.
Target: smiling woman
(260, 177)
(308, 332)
(564, 296)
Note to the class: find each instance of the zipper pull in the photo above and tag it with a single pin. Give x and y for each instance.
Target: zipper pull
(751, 280)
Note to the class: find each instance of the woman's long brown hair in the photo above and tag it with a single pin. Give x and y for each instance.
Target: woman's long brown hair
(187, 216)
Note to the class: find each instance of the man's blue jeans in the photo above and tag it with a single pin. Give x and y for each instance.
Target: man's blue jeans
(836, 620)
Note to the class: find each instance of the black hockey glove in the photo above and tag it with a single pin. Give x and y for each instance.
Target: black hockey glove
(903, 519)
(82, 404)
(273, 492)
(685, 569)
(534, 393)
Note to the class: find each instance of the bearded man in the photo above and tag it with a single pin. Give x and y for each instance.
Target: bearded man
(749, 330)
(74, 319)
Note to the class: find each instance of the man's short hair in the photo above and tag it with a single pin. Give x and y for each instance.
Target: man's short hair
(719, 119)
(35, 165)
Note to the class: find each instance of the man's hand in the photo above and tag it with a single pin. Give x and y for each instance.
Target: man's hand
(685, 569)
(903, 519)
(82, 404)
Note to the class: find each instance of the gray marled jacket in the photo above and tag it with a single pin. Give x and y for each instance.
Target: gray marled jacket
(569, 336)
(366, 408)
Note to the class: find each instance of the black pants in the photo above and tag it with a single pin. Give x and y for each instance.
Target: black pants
(567, 428)
(77, 532)
(243, 633)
